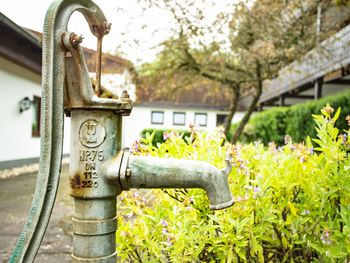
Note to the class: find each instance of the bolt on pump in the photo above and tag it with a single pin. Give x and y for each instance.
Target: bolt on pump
(99, 169)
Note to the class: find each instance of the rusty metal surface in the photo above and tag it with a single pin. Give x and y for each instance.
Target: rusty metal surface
(95, 139)
(98, 66)
(79, 91)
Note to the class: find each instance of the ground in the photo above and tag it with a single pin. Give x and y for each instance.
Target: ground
(16, 194)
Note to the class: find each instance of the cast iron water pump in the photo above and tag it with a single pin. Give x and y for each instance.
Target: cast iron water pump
(99, 169)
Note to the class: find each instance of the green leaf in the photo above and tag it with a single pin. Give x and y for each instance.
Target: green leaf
(230, 256)
(336, 252)
(308, 142)
(317, 247)
(336, 115)
(319, 142)
(284, 242)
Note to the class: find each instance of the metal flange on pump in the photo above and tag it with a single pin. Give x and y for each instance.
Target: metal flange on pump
(99, 169)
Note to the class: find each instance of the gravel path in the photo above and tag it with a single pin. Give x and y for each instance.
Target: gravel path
(16, 194)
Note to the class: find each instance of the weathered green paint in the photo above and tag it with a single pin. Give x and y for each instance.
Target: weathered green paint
(133, 171)
(152, 172)
(94, 219)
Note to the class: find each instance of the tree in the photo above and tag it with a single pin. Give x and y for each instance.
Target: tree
(239, 49)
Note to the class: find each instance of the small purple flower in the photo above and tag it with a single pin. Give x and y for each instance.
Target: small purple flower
(166, 135)
(169, 241)
(136, 194)
(311, 150)
(163, 223)
(136, 147)
(257, 190)
(302, 159)
(129, 215)
(164, 231)
(325, 238)
(306, 212)
(343, 138)
(221, 130)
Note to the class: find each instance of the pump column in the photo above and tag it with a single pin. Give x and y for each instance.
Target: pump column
(95, 138)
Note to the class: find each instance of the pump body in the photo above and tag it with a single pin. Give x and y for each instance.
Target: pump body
(95, 138)
(99, 169)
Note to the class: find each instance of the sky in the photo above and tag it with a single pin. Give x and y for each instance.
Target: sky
(128, 23)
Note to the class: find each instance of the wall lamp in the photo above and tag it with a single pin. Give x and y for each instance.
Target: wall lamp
(24, 104)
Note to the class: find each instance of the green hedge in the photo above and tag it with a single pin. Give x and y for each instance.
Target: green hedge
(290, 204)
(296, 121)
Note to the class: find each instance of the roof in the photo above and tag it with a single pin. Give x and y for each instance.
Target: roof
(110, 63)
(333, 54)
(23, 46)
(19, 45)
(328, 63)
(201, 94)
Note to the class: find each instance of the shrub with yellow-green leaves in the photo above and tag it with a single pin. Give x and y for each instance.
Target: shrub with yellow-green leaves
(292, 203)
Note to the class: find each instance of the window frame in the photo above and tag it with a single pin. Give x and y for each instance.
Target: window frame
(206, 119)
(182, 113)
(36, 103)
(224, 116)
(152, 121)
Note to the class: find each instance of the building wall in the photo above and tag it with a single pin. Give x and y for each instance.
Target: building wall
(16, 138)
(140, 119)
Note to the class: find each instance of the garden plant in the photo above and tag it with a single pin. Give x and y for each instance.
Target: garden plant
(292, 202)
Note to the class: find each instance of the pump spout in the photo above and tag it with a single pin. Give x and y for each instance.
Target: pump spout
(154, 172)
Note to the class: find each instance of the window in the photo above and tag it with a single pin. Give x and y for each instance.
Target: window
(36, 116)
(220, 119)
(179, 118)
(200, 119)
(157, 117)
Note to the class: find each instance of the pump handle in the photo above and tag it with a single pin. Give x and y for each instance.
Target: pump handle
(52, 120)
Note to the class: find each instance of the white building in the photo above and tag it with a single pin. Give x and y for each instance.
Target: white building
(20, 74)
(172, 117)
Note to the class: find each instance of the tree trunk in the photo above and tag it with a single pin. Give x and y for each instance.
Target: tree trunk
(233, 108)
(251, 108)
